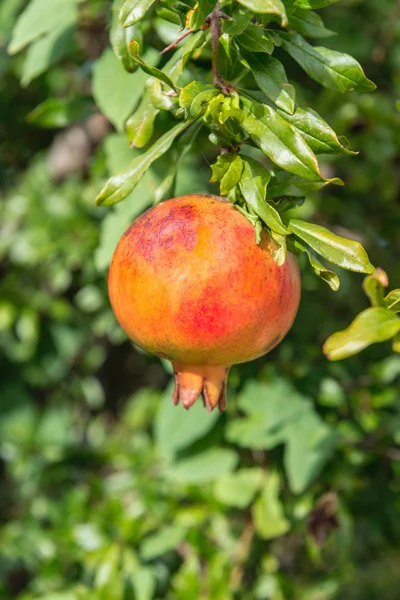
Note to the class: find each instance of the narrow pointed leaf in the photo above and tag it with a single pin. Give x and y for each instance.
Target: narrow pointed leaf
(280, 141)
(309, 24)
(153, 71)
(275, 7)
(330, 277)
(133, 11)
(202, 10)
(255, 39)
(373, 325)
(334, 70)
(309, 4)
(392, 301)
(374, 287)
(140, 125)
(228, 171)
(340, 251)
(287, 184)
(319, 136)
(120, 37)
(253, 187)
(120, 185)
(270, 76)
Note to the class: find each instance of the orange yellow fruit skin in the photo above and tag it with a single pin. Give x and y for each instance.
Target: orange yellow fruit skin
(188, 282)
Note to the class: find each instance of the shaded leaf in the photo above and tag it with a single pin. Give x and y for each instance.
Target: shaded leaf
(238, 488)
(275, 7)
(115, 91)
(39, 18)
(133, 11)
(271, 79)
(287, 184)
(206, 466)
(255, 39)
(253, 187)
(237, 23)
(340, 251)
(167, 538)
(334, 70)
(309, 444)
(268, 515)
(308, 4)
(120, 37)
(309, 24)
(373, 325)
(59, 112)
(199, 15)
(319, 269)
(374, 287)
(140, 126)
(120, 185)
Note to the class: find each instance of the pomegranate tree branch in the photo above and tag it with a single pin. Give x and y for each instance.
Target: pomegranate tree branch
(215, 28)
(176, 42)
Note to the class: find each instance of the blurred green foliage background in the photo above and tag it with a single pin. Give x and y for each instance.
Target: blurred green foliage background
(106, 490)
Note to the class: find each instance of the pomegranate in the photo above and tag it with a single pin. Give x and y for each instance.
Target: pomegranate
(188, 283)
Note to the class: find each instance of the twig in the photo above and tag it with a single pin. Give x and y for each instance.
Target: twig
(215, 28)
(176, 42)
(245, 542)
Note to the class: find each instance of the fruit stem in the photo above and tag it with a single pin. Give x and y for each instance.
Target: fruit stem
(191, 381)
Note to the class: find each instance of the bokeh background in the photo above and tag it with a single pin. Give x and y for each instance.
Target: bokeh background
(106, 491)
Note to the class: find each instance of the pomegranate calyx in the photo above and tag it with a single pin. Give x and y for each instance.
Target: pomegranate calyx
(191, 381)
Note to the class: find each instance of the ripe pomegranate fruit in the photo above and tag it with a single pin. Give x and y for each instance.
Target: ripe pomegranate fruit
(189, 283)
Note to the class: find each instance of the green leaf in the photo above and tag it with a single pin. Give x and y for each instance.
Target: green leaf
(253, 186)
(280, 141)
(201, 468)
(268, 516)
(166, 189)
(41, 17)
(275, 7)
(319, 269)
(120, 185)
(191, 91)
(118, 219)
(202, 9)
(143, 582)
(373, 325)
(140, 125)
(177, 429)
(309, 444)
(229, 61)
(238, 489)
(309, 4)
(59, 112)
(396, 343)
(287, 184)
(164, 540)
(174, 67)
(334, 70)
(340, 251)
(392, 301)
(270, 407)
(159, 98)
(255, 39)
(374, 287)
(115, 91)
(46, 51)
(228, 171)
(153, 71)
(319, 136)
(271, 79)
(120, 37)
(133, 11)
(237, 23)
(309, 24)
